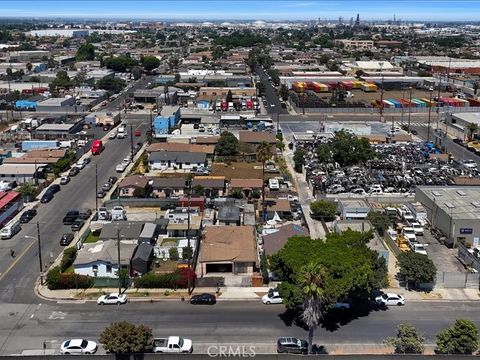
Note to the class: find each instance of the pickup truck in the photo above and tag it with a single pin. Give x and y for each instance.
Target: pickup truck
(172, 344)
(417, 247)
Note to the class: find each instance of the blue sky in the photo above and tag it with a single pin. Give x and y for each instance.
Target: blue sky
(439, 10)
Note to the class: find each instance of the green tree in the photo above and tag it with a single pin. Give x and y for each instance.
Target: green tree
(416, 268)
(62, 80)
(125, 338)
(80, 78)
(227, 145)
(150, 63)
(136, 72)
(346, 149)
(198, 189)
(29, 66)
(284, 92)
(461, 338)
(140, 192)
(299, 159)
(264, 153)
(311, 281)
(28, 190)
(407, 341)
(120, 63)
(229, 97)
(260, 88)
(237, 194)
(323, 209)
(187, 252)
(173, 254)
(85, 52)
(352, 270)
(380, 221)
(472, 128)
(108, 83)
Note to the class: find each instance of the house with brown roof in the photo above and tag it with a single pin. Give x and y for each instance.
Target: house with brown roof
(255, 138)
(181, 147)
(280, 206)
(41, 156)
(228, 250)
(210, 186)
(206, 140)
(275, 239)
(168, 187)
(401, 139)
(246, 186)
(130, 184)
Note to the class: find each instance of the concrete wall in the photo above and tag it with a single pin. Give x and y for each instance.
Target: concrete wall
(87, 269)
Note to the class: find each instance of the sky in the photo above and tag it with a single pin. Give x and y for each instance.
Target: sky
(430, 10)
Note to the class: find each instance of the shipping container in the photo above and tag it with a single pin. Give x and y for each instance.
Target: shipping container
(396, 103)
(28, 145)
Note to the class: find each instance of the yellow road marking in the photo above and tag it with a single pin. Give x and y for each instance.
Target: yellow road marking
(17, 259)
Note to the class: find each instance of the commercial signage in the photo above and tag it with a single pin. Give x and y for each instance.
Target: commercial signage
(466, 231)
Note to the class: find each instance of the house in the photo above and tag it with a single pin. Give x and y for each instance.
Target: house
(21, 172)
(181, 147)
(142, 259)
(149, 234)
(229, 215)
(134, 184)
(255, 138)
(246, 186)
(228, 250)
(281, 207)
(275, 239)
(168, 187)
(39, 156)
(100, 259)
(5, 154)
(210, 186)
(163, 250)
(182, 227)
(129, 230)
(173, 160)
(353, 209)
(206, 140)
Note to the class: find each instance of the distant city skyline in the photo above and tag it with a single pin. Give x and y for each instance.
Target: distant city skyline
(426, 10)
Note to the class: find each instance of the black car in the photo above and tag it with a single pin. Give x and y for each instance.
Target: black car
(112, 179)
(70, 217)
(54, 188)
(66, 239)
(46, 197)
(203, 299)
(73, 171)
(414, 132)
(101, 194)
(86, 160)
(28, 215)
(77, 224)
(84, 214)
(292, 345)
(107, 186)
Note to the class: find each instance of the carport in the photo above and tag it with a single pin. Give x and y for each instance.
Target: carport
(219, 268)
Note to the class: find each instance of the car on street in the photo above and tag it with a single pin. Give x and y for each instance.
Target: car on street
(28, 215)
(46, 197)
(390, 299)
(273, 297)
(203, 299)
(112, 298)
(469, 164)
(81, 164)
(112, 179)
(78, 346)
(291, 345)
(112, 135)
(54, 188)
(78, 224)
(70, 217)
(73, 171)
(66, 239)
(121, 167)
(107, 186)
(101, 194)
(64, 180)
(138, 132)
(84, 214)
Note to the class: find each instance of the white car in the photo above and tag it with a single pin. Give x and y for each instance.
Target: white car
(390, 299)
(417, 228)
(469, 164)
(112, 135)
(272, 298)
(78, 346)
(81, 164)
(121, 167)
(112, 298)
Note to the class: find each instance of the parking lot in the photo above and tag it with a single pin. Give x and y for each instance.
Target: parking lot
(444, 258)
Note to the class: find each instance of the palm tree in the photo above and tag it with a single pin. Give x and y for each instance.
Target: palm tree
(472, 128)
(311, 281)
(264, 153)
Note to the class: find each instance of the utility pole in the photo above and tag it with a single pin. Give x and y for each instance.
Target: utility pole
(96, 187)
(410, 110)
(403, 97)
(278, 119)
(429, 116)
(119, 267)
(131, 142)
(40, 253)
(381, 93)
(151, 123)
(189, 260)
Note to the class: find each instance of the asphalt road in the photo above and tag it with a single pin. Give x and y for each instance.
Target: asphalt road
(270, 94)
(18, 274)
(28, 326)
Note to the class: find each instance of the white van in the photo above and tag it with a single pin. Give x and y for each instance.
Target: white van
(10, 229)
(122, 132)
(273, 184)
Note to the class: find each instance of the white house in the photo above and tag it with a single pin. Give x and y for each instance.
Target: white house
(176, 160)
(100, 259)
(163, 250)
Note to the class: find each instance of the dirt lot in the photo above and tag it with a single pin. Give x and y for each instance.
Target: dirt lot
(238, 170)
(367, 97)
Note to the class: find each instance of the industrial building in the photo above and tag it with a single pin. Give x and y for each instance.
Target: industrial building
(453, 210)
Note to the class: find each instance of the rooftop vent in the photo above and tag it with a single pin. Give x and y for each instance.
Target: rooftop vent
(461, 193)
(436, 193)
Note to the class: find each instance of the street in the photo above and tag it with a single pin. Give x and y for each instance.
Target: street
(224, 323)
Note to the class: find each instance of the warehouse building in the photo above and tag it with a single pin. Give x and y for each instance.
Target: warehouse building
(453, 210)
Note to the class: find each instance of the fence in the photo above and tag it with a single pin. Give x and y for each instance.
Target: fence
(469, 259)
(457, 280)
(141, 202)
(373, 111)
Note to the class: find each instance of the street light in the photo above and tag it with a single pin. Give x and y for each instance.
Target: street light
(39, 250)
(410, 109)
(381, 92)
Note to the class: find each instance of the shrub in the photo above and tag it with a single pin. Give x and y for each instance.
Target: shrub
(173, 254)
(69, 255)
(184, 275)
(156, 281)
(407, 341)
(58, 281)
(124, 337)
(461, 338)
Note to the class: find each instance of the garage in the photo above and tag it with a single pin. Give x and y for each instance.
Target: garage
(219, 268)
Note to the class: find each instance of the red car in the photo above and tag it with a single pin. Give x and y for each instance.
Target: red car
(138, 132)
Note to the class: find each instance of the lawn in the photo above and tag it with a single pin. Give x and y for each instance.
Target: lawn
(90, 239)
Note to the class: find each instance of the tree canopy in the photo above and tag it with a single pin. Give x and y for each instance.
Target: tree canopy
(323, 209)
(227, 144)
(123, 338)
(299, 159)
(150, 63)
(111, 84)
(245, 38)
(119, 63)
(85, 52)
(407, 341)
(352, 270)
(380, 221)
(346, 149)
(416, 268)
(62, 80)
(461, 338)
